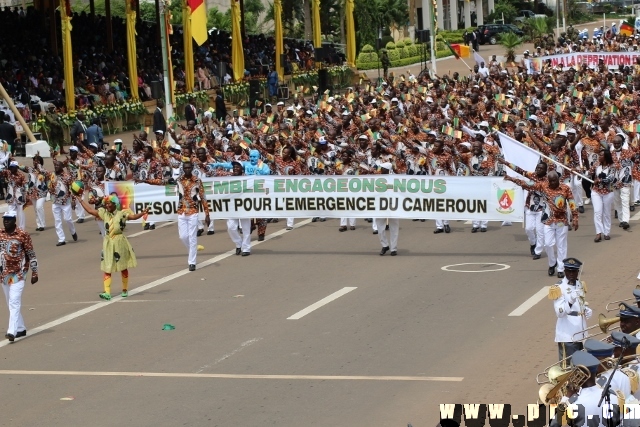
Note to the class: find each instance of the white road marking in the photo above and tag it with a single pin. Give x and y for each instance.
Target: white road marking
(635, 217)
(468, 222)
(323, 301)
(233, 376)
(165, 224)
(148, 286)
(228, 355)
(531, 302)
(500, 268)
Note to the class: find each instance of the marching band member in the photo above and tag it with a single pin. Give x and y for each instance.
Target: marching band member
(568, 296)
(390, 243)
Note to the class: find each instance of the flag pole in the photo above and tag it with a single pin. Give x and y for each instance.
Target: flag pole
(550, 159)
(165, 60)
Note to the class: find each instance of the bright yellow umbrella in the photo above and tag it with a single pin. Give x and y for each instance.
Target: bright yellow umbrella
(317, 31)
(189, 68)
(132, 63)
(67, 57)
(237, 53)
(351, 34)
(277, 18)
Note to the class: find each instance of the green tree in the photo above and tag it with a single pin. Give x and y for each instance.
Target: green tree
(148, 11)
(503, 8)
(510, 41)
(330, 11)
(216, 19)
(392, 13)
(367, 21)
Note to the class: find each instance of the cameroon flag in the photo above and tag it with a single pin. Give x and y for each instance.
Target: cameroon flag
(198, 20)
(453, 51)
(626, 29)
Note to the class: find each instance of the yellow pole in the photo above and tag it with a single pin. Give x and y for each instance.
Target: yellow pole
(16, 113)
(317, 30)
(277, 11)
(351, 34)
(67, 58)
(237, 53)
(132, 61)
(189, 68)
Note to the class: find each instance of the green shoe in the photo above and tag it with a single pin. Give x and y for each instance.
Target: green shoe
(105, 296)
(124, 294)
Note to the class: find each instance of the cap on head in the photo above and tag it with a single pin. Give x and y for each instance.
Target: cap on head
(618, 338)
(160, 132)
(10, 214)
(572, 264)
(14, 163)
(93, 144)
(386, 165)
(582, 358)
(73, 148)
(598, 349)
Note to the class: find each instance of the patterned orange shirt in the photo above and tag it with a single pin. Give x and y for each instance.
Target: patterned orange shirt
(16, 256)
(191, 194)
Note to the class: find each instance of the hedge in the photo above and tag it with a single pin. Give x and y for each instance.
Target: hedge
(400, 62)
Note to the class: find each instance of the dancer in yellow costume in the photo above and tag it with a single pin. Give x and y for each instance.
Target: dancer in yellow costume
(117, 253)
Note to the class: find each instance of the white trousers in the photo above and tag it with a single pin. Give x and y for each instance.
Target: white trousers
(394, 229)
(13, 294)
(621, 203)
(38, 206)
(101, 227)
(201, 226)
(576, 189)
(60, 213)
(188, 232)
(242, 241)
(636, 191)
(602, 205)
(440, 224)
(79, 209)
(479, 224)
(534, 229)
(290, 222)
(374, 225)
(351, 221)
(555, 244)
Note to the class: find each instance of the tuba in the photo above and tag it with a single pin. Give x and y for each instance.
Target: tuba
(572, 380)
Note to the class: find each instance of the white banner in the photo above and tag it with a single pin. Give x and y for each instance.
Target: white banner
(363, 196)
(612, 60)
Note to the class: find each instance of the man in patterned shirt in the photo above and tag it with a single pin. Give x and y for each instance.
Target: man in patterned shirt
(59, 183)
(559, 200)
(16, 257)
(190, 196)
(16, 188)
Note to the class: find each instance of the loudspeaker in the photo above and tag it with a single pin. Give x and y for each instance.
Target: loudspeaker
(423, 36)
(254, 92)
(157, 90)
(283, 59)
(222, 70)
(319, 54)
(323, 80)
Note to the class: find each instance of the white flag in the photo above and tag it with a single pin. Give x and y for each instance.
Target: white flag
(519, 154)
(478, 58)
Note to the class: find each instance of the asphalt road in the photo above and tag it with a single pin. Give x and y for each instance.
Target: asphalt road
(408, 337)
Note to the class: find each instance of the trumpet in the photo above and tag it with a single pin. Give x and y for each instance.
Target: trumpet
(603, 323)
(618, 302)
(573, 379)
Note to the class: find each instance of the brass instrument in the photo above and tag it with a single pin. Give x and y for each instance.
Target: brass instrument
(618, 302)
(603, 323)
(550, 394)
(553, 373)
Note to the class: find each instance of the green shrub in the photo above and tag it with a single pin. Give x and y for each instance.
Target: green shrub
(407, 42)
(367, 54)
(412, 50)
(386, 39)
(390, 46)
(373, 65)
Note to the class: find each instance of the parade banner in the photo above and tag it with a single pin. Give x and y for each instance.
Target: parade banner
(363, 196)
(612, 60)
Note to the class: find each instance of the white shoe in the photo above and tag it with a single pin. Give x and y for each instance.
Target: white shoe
(506, 223)
(587, 201)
